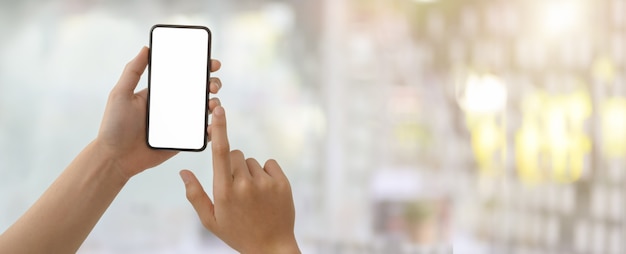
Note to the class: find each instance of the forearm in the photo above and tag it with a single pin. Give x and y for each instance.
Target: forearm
(69, 209)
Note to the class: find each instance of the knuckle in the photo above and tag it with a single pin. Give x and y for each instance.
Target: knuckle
(264, 184)
(244, 185)
(236, 152)
(283, 185)
(193, 196)
(131, 69)
(127, 66)
(221, 148)
(219, 124)
(206, 222)
(114, 94)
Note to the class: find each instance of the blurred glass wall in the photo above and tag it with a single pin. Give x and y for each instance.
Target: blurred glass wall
(405, 126)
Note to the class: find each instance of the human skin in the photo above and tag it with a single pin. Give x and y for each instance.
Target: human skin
(60, 220)
(253, 210)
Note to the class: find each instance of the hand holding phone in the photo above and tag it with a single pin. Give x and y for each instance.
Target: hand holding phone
(178, 78)
(122, 133)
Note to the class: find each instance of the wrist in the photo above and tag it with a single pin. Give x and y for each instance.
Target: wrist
(100, 152)
(291, 248)
(287, 246)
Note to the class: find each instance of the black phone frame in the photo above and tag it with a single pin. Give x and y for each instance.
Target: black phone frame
(208, 77)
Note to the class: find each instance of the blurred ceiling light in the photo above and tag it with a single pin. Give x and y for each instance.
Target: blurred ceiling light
(561, 16)
(280, 15)
(483, 94)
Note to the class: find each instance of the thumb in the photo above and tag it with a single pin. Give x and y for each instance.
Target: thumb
(199, 199)
(132, 73)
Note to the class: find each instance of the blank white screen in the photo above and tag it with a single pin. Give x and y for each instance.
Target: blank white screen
(178, 88)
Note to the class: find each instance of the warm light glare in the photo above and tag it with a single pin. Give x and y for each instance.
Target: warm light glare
(613, 116)
(487, 141)
(559, 17)
(484, 94)
(552, 143)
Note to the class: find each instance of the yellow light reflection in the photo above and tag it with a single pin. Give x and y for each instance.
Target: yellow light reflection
(613, 115)
(488, 142)
(483, 98)
(528, 145)
(603, 69)
(552, 144)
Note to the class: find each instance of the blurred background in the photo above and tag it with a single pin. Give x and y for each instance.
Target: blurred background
(405, 126)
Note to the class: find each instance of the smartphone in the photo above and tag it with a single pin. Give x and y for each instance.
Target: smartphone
(178, 87)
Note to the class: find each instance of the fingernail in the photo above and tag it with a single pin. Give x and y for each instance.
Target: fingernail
(185, 176)
(218, 111)
(217, 85)
(217, 100)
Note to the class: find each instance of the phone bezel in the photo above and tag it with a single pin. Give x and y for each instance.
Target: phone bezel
(206, 114)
